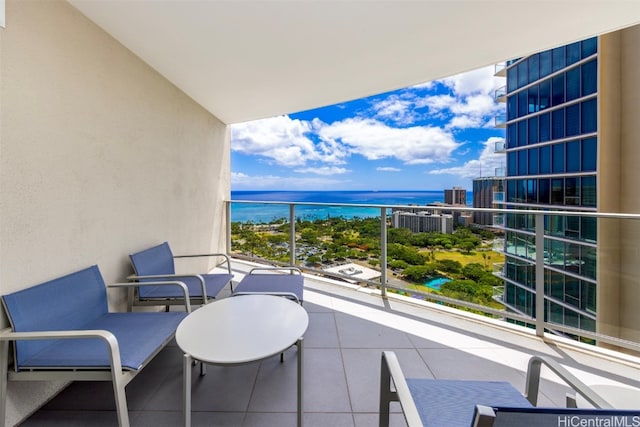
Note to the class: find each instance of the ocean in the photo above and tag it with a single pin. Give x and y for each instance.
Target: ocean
(241, 212)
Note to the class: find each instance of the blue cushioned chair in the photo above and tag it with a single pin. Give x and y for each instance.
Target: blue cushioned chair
(157, 263)
(272, 281)
(63, 330)
(458, 403)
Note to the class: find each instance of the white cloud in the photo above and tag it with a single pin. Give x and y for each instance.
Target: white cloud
(396, 109)
(481, 80)
(284, 141)
(485, 165)
(241, 181)
(388, 169)
(438, 102)
(375, 140)
(465, 122)
(425, 85)
(325, 170)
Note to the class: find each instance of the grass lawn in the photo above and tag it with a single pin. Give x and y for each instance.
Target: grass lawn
(475, 256)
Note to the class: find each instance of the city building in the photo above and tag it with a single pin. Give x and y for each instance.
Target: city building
(488, 192)
(422, 222)
(571, 137)
(455, 196)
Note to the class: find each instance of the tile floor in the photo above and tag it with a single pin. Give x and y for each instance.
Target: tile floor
(348, 330)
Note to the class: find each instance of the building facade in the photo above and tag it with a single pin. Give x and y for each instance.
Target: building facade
(488, 192)
(551, 149)
(455, 196)
(422, 222)
(572, 145)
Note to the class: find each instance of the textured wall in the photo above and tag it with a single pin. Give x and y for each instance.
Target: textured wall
(100, 156)
(618, 178)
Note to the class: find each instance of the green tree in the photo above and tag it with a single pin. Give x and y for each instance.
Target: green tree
(418, 273)
(448, 265)
(473, 271)
(398, 263)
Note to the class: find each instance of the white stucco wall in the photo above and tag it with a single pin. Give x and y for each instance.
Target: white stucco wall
(100, 156)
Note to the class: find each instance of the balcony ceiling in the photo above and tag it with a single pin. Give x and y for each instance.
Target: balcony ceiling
(249, 59)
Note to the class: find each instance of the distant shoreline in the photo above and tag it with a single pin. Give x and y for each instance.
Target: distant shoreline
(266, 213)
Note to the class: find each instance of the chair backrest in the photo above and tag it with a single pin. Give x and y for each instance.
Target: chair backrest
(153, 261)
(554, 417)
(68, 302)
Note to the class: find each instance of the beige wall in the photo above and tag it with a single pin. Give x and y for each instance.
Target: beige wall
(630, 184)
(100, 156)
(618, 180)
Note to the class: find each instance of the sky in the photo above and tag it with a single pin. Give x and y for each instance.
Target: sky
(431, 136)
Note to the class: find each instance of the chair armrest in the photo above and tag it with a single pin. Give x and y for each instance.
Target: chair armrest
(291, 270)
(225, 256)
(532, 384)
(289, 295)
(106, 336)
(185, 290)
(172, 276)
(391, 375)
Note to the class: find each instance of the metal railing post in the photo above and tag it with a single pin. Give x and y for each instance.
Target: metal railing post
(228, 214)
(539, 274)
(383, 251)
(292, 232)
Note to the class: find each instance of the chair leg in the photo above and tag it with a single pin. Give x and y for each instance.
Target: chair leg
(4, 361)
(385, 394)
(121, 399)
(282, 357)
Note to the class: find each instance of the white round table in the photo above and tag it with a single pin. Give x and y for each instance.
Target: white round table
(238, 330)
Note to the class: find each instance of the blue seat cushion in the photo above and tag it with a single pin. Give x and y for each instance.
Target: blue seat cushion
(452, 403)
(139, 335)
(275, 283)
(213, 282)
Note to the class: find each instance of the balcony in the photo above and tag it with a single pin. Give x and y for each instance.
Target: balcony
(351, 322)
(500, 121)
(555, 251)
(500, 94)
(349, 327)
(500, 147)
(500, 70)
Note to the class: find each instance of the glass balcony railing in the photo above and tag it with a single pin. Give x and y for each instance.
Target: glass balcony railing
(500, 94)
(498, 197)
(500, 172)
(546, 279)
(500, 147)
(500, 70)
(500, 121)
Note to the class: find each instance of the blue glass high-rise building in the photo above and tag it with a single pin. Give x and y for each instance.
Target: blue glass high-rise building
(573, 144)
(552, 145)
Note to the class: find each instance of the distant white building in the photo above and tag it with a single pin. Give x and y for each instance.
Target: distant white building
(420, 222)
(355, 271)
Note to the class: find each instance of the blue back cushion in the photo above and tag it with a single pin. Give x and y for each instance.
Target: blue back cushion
(68, 302)
(152, 261)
